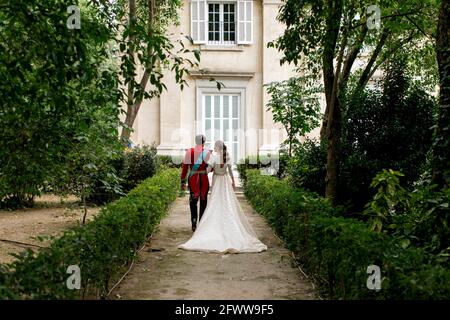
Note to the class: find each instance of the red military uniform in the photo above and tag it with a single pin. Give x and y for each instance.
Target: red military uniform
(198, 182)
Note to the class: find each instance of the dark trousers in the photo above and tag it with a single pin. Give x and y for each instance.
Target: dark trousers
(193, 206)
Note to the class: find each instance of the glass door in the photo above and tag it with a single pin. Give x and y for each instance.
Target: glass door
(221, 115)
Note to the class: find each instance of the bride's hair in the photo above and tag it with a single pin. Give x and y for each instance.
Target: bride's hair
(225, 156)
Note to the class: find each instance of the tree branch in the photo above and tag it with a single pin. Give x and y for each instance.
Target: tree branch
(365, 75)
(420, 29)
(387, 55)
(143, 84)
(333, 23)
(405, 14)
(335, 88)
(353, 54)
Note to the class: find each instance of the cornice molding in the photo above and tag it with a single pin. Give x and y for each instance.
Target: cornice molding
(207, 74)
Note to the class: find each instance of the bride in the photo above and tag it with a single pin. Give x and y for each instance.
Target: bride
(224, 227)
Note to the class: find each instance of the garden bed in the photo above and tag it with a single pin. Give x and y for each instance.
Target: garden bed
(337, 251)
(100, 249)
(50, 216)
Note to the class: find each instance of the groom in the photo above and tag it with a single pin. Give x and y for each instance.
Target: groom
(196, 161)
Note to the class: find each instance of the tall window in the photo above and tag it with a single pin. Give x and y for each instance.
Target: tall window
(221, 23)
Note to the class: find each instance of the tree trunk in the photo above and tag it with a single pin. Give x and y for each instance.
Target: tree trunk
(83, 196)
(441, 147)
(333, 133)
(331, 37)
(133, 109)
(328, 79)
(134, 103)
(331, 124)
(333, 139)
(130, 117)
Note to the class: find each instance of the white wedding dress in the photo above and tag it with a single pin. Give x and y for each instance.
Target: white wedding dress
(224, 228)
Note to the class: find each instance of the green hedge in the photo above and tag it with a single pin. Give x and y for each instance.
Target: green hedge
(263, 162)
(101, 248)
(338, 250)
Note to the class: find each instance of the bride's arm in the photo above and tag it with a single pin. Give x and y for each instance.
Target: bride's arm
(231, 175)
(211, 163)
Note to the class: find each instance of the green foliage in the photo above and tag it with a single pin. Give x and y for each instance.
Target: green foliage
(100, 248)
(306, 168)
(295, 104)
(327, 37)
(91, 153)
(107, 184)
(318, 29)
(147, 35)
(336, 251)
(168, 161)
(386, 128)
(390, 198)
(5, 291)
(139, 164)
(57, 90)
(426, 221)
(266, 194)
(267, 164)
(132, 167)
(419, 218)
(148, 51)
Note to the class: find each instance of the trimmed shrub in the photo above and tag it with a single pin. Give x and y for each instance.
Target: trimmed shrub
(103, 190)
(338, 250)
(131, 168)
(100, 248)
(5, 291)
(270, 164)
(164, 161)
(139, 164)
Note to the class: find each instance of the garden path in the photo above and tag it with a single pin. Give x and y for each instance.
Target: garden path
(163, 271)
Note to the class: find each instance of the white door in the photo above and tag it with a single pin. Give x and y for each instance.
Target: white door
(221, 115)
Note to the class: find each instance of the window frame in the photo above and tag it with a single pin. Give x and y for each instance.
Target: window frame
(243, 23)
(221, 31)
(233, 87)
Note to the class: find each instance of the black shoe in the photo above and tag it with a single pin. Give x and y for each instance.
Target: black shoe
(193, 228)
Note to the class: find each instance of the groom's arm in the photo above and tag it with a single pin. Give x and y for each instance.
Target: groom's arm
(209, 162)
(185, 168)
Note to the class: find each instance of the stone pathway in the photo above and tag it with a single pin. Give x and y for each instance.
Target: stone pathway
(165, 272)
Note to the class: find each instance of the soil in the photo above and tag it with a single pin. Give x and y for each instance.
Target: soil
(50, 216)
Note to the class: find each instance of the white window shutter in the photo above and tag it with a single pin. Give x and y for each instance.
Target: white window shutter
(198, 21)
(245, 21)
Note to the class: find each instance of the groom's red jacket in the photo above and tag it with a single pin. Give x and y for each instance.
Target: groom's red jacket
(198, 182)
